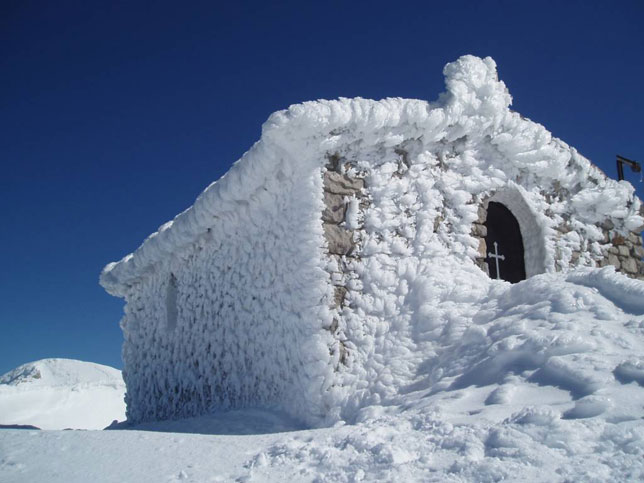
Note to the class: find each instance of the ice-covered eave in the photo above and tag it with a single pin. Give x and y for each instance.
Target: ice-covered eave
(244, 177)
(474, 101)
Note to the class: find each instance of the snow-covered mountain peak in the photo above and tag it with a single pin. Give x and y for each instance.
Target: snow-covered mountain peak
(62, 393)
(61, 372)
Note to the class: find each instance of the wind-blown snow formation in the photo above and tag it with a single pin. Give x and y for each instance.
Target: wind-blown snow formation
(62, 393)
(229, 305)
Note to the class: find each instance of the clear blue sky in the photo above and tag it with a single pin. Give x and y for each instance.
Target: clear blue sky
(115, 115)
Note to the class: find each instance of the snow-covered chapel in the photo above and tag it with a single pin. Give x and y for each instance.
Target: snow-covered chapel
(318, 274)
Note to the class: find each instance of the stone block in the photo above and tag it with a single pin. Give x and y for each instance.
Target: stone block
(618, 240)
(339, 295)
(437, 223)
(613, 250)
(608, 224)
(639, 251)
(482, 214)
(565, 228)
(634, 238)
(344, 353)
(340, 241)
(624, 251)
(606, 238)
(334, 208)
(482, 248)
(629, 265)
(614, 261)
(479, 230)
(341, 184)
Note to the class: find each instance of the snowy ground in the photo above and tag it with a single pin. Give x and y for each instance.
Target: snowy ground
(543, 382)
(416, 445)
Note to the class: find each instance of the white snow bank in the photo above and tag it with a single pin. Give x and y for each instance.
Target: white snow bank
(575, 333)
(628, 293)
(537, 381)
(62, 393)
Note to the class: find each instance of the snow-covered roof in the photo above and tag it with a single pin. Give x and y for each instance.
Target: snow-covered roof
(476, 103)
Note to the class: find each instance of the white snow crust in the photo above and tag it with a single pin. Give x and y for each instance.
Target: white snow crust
(244, 322)
(62, 393)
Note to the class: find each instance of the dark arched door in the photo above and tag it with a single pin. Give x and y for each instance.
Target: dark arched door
(504, 244)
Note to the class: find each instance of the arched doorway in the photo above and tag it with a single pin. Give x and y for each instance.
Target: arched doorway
(505, 253)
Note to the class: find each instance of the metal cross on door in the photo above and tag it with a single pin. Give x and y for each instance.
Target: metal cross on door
(504, 235)
(496, 257)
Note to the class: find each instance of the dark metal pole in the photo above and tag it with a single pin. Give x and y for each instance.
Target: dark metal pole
(621, 160)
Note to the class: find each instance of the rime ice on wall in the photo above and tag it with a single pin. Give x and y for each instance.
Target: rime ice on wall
(258, 321)
(235, 319)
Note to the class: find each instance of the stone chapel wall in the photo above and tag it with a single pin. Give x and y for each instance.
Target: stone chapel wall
(341, 238)
(624, 252)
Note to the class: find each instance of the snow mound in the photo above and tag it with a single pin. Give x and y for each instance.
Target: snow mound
(62, 393)
(538, 381)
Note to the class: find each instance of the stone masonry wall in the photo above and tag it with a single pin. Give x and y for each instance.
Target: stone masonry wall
(339, 188)
(624, 252)
(479, 231)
